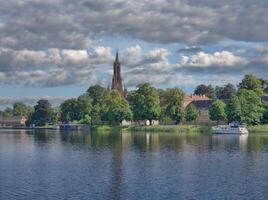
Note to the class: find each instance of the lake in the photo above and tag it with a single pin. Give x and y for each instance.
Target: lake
(47, 164)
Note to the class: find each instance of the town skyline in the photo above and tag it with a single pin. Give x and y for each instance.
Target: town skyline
(57, 49)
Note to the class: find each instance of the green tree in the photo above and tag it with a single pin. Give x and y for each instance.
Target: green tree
(234, 110)
(174, 104)
(145, 102)
(97, 93)
(251, 82)
(225, 92)
(20, 109)
(100, 100)
(42, 113)
(265, 113)
(217, 111)
(191, 113)
(264, 85)
(205, 90)
(251, 106)
(119, 109)
(76, 109)
(8, 112)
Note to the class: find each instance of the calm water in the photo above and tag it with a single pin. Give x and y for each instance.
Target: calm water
(69, 165)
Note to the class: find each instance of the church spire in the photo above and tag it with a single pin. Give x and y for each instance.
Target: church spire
(116, 57)
(117, 80)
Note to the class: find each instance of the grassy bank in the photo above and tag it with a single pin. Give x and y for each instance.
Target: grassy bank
(105, 128)
(173, 128)
(258, 129)
(159, 128)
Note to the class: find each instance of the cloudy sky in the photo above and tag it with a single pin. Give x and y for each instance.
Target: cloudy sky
(58, 48)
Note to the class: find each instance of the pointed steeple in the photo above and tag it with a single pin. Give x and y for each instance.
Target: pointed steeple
(117, 80)
(116, 57)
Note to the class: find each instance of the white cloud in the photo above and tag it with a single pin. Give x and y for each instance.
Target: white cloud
(202, 59)
(74, 56)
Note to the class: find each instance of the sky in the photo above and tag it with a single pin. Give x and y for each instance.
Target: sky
(56, 49)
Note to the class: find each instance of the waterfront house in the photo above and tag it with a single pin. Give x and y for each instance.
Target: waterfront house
(13, 121)
(202, 103)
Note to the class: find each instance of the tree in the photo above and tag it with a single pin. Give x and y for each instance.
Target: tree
(264, 85)
(100, 100)
(225, 92)
(234, 110)
(251, 106)
(217, 111)
(42, 113)
(191, 113)
(97, 93)
(8, 112)
(20, 109)
(205, 90)
(174, 104)
(145, 103)
(119, 109)
(76, 109)
(265, 114)
(251, 82)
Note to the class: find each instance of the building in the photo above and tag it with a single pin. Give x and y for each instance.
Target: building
(202, 103)
(14, 121)
(117, 80)
(188, 99)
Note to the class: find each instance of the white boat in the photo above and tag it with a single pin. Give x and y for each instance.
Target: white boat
(231, 128)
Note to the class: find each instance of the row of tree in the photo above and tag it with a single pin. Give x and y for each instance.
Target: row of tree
(244, 106)
(249, 82)
(99, 105)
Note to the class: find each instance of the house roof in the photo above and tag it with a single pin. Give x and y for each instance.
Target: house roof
(12, 119)
(202, 104)
(188, 99)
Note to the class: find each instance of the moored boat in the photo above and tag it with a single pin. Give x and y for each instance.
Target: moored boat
(231, 128)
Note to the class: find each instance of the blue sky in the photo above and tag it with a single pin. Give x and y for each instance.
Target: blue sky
(56, 49)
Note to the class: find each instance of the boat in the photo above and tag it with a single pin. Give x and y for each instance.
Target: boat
(71, 127)
(231, 128)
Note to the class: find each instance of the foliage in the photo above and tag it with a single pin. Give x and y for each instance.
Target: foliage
(20, 109)
(119, 109)
(191, 113)
(265, 113)
(251, 106)
(264, 85)
(217, 111)
(251, 82)
(76, 109)
(225, 92)
(8, 112)
(174, 101)
(42, 113)
(145, 102)
(234, 110)
(175, 112)
(245, 106)
(97, 93)
(100, 101)
(205, 90)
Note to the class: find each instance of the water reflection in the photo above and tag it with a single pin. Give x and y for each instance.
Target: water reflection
(159, 141)
(84, 165)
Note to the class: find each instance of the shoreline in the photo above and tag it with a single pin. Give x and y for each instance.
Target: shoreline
(203, 129)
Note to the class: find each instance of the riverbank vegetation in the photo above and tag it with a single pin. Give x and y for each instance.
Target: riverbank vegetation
(100, 106)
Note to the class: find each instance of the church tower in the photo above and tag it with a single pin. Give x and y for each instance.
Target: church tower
(117, 80)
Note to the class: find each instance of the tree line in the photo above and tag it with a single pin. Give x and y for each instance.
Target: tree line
(99, 105)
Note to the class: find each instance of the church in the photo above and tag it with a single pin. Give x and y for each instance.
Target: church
(117, 80)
